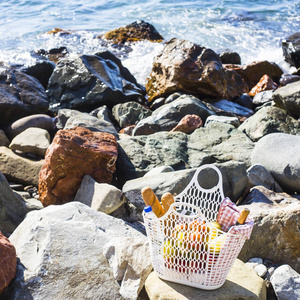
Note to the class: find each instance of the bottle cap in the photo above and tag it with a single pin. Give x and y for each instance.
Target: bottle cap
(147, 209)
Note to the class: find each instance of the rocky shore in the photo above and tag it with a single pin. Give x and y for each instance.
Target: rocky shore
(80, 138)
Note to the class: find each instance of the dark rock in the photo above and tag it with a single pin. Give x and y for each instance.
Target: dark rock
(137, 31)
(187, 67)
(291, 49)
(245, 100)
(89, 81)
(20, 95)
(230, 58)
(286, 79)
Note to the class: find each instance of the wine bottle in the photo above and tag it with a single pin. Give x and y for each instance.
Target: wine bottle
(243, 216)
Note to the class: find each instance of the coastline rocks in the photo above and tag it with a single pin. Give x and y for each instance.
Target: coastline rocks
(188, 67)
(234, 121)
(288, 98)
(21, 95)
(291, 50)
(8, 262)
(238, 285)
(286, 283)
(166, 117)
(262, 97)
(13, 209)
(136, 31)
(230, 58)
(32, 140)
(287, 79)
(74, 153)
(19, 168)
(188, 124)
(89, 81)
(99, 196)
(60, 249)
(268, 120)
(265, 83)
(275, 233)
(278, 152)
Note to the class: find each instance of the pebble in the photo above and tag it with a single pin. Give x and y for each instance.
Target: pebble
(261, 270)
(256, 260)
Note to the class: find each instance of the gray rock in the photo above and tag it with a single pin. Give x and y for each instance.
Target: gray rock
(92, 80)
(129, 259)
(279, 153)
(286, 283)
(263, 97)
(234, 121)
(167, 116)
(158, 170)
(258, 175)
(216, 143)
(13, 208)
(99, 196)
(228, 57)
(13, 166)
(275, 233)
(4, 141)
(241, 283)
(60, 249)
(232, 107)
(269, 120)
(288, 98)
(32, 140)
(129, 113)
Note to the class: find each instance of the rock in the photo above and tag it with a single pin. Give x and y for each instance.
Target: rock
(21, 95)
(265, 83)
(286, 283)
(278, 152)
(232, 108)
(99, 196)
(127, 130)
(60, 249)
(240, 284)
(4, 141)
(188, 124)
(129, 259)
(269, 120)
(8, 262)
(129, 113)
(89, 81)
(55, 54)
(234, 182)
(32, 140)
(18, 168)
(74, 153)
(40, 121)
(262, 97)
(287, 79)
(288, 98)
(159, 170)
(256, 260)
(13, 209)
(253, 72)
(261, 270)
(139, 154)
(70, 118)
(137, 31)
(258, 175)
(234, 121)
(166, 117)
(245, 100)
(291, 51)
(275, 234)
(228, 57)
(190, 68)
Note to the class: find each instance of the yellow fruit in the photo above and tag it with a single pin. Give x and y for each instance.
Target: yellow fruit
(214, 232)
(168, 250)
(216, 224)
(217, 243)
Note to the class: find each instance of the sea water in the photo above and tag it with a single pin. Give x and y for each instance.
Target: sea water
(253, 28)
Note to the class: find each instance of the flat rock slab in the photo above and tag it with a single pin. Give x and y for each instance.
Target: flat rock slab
(241, 283)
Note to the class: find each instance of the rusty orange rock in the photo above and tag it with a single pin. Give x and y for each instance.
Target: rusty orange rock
(8, 262)
(188, 124)
(264, 84)
(74, 153)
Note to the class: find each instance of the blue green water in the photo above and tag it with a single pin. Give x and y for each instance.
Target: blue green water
(253, 28)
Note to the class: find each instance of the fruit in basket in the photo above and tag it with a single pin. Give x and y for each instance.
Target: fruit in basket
(217, 243)
(168, 249)
(214, 230)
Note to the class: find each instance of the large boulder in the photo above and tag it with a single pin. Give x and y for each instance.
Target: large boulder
(279, 153)
(8, 262)
(275, 233)
(218, 142)
(89, 81)
(241, 283)
(13, 208)
(21, 95)
(291, 49)
(18, 168)
(269, 119)
(166, 117)
(288, 98)
(60, 249)
(74, 153)
(191, 68)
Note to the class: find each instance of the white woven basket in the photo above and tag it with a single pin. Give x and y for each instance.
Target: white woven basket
(185, 247)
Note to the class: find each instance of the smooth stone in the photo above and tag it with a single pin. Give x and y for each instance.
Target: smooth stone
(241, 283)
(232, 107)
(234, 121)
(256, 260)
(262, 97)
(158, 170)
(261, 270)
